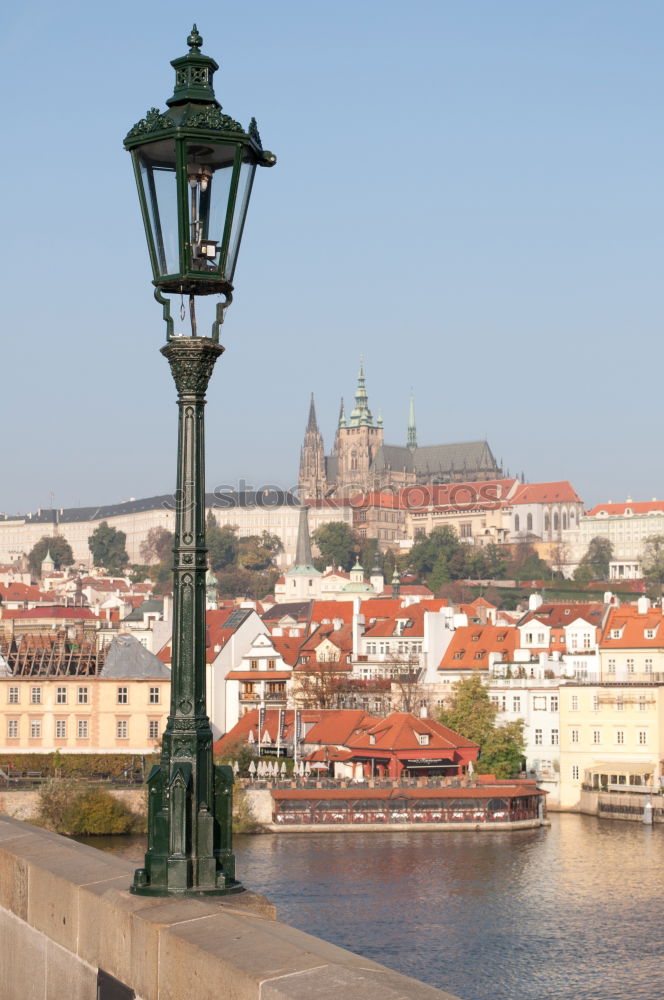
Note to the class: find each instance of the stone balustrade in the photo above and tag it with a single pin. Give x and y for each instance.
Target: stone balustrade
(66, 913)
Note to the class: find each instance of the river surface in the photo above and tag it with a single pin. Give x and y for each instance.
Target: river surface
(573, 912)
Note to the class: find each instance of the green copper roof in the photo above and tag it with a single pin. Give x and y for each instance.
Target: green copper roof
(361, 415)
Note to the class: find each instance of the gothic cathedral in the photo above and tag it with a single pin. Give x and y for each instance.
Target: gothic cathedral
(361, 461)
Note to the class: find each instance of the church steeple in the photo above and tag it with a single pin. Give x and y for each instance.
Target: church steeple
(312, 423)
(411, 440)
(342, 414)
(303, 555)
(361, 415)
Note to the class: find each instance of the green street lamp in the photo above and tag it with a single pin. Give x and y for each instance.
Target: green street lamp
(194, 168)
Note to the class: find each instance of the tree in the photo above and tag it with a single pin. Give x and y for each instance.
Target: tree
(596, 559)
(158, 546)
(237, 582)
(434, 551)
(526, 564)
(257, 552)
(336, 543)
(406, 682)
(60, 550)
(221, 542)
(107, 545)
(496, 559)
(653, 565)
(472, 714)
(321, 686)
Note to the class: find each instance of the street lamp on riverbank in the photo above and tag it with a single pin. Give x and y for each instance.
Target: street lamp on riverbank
(194, 168)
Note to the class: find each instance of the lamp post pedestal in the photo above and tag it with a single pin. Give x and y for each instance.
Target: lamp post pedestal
(190, 800)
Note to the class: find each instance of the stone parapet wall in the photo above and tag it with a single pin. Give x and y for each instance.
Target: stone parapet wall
(66, 912)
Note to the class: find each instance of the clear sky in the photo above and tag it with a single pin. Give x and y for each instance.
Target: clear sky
(468, 193)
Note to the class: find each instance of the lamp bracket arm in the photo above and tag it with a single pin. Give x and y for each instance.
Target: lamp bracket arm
(221, 307)
(166, 312)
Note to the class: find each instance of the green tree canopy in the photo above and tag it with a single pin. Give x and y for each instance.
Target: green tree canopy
(526, 564)
(472, 714)
(434, 550)
(60, 550)
(254, 553)
(222, 543)
(595, 563)
(336, 544)
(107, 546)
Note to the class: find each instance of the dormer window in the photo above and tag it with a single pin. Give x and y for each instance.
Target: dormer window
(372, 739)
(616, 633)
(650, 633)
(423, 739)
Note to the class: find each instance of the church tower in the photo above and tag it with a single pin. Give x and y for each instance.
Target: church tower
(311, 479)
(358, 438)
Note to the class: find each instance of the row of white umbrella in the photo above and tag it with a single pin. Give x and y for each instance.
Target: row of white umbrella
(271, 769)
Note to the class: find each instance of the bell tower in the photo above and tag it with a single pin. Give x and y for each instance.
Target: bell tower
(311, 479)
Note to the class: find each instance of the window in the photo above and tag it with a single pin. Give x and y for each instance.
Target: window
(35, 696)
(615, 633)
(35, 729)
(154, 695)
(516, 522)
(516, 703)
(153, 729)
(597, 736)
(575, 703)
(253, 664)
(595, 703)
(123, 695)
(12, 729)
(529, 522)
(121, 729)
(643, 737)
(642, 703)
(82, 729)
(61, 729)
(586, 641)
(529, 638)
(554, 738)
(423, 739)
(574, 735)
(61, 696)
(620, 704)
(620, 736)
(82, 696)
(12, 697)
(648, 665)
(466, 530)
(538, 738)
(554, 702)
(612, 666)
(575, 772)
(630, 666)
(650, 633)
(539, 703)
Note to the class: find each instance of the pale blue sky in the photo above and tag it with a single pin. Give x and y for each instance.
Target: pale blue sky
(468, 193)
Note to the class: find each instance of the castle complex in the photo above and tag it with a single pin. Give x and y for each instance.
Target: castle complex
(362, 462)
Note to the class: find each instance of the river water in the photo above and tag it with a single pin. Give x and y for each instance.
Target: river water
(573, 912)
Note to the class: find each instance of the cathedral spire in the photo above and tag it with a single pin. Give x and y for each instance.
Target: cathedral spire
(412, 431)
(312, 423)
(342, 414)
(361, 415)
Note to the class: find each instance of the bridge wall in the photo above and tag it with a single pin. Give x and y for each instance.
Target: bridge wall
(66, 913)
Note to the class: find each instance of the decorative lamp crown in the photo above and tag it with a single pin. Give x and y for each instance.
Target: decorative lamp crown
(194, 169)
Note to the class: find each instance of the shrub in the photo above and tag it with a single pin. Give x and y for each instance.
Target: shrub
(65, 807)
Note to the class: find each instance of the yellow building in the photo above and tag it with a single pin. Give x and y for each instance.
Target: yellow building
(610, 729)
(123, 710)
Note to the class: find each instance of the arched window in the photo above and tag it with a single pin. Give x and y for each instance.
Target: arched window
(529, 522)
(564, 520)
(547, 522)
(516, 522)
(353, 460)
(556, 522)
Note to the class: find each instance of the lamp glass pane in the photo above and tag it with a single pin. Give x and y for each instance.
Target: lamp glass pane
(209, 174)
(157, 165)
(247, 170)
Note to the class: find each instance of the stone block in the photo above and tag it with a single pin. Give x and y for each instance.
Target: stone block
(67, 978)
(22, 960)
(329, 982)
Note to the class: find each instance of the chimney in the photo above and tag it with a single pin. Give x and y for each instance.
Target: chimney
(534, 602)
(167, 608)
(643, 605)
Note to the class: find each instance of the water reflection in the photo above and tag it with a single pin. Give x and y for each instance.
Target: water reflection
(569, 913)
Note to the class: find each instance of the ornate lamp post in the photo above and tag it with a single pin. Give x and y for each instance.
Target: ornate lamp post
(194, 168)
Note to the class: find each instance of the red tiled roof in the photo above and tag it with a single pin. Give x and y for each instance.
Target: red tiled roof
(557, 492)
(409, 590)
(616, 509)
(471, 645)
(401, 731)
(342, 638)
(249, 724)
(633, 628)
(337, 726)
(329, 610)
(287, 647)
(58, 611)
(457, 496)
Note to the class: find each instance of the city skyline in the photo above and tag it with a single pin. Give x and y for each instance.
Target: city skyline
(507, 268)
